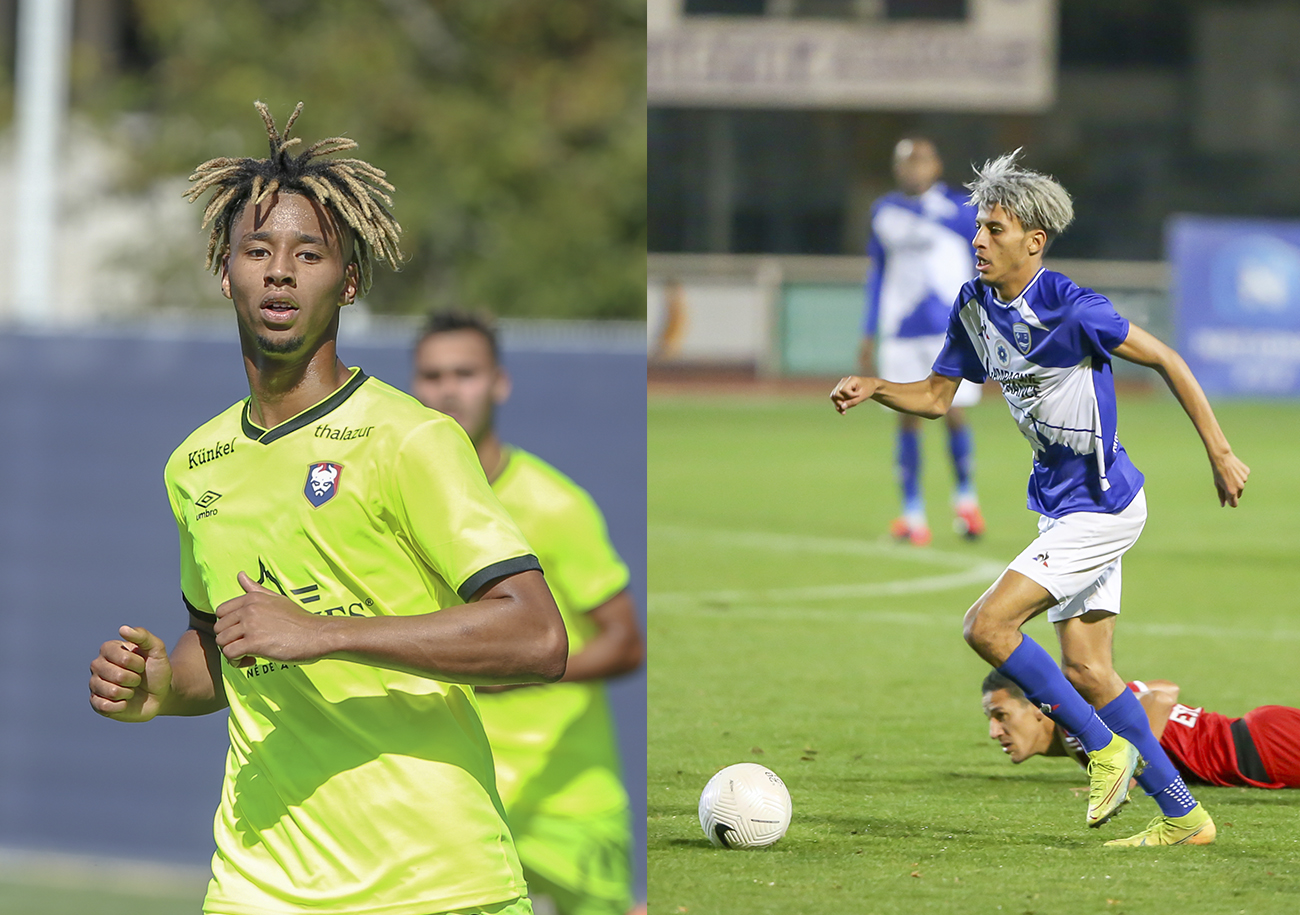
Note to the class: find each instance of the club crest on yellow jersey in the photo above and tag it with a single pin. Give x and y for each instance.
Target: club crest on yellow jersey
(322, 482)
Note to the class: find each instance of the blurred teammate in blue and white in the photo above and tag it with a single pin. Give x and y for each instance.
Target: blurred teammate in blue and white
(920, 256)
(1049, 344)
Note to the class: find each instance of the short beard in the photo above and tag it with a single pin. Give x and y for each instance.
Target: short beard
(281, 348)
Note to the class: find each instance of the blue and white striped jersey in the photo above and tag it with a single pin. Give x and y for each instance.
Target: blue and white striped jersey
(1050, 352)
(920, 253)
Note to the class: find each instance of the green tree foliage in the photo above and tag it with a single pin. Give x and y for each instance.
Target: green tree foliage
(514, 130)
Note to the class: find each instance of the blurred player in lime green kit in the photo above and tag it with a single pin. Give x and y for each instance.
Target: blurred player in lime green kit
(349, 578)
(554, 745)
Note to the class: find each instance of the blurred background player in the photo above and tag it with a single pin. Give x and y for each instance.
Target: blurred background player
(920, 257)
(1261, 749)
(554, 745)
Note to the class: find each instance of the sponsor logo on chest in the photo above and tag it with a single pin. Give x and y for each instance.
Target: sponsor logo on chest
(342, 434)
(203, 455)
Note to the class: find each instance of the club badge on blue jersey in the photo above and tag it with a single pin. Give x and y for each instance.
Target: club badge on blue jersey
(322, 482)
(1020, 333)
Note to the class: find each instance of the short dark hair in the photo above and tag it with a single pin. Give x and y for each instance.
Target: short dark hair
(996, 681)
(448, 320)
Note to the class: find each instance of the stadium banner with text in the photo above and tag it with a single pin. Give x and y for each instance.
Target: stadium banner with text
(1000, 57)
(1236, 299)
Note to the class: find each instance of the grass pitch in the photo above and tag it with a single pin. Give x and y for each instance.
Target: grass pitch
(36, 883)
(785, 629)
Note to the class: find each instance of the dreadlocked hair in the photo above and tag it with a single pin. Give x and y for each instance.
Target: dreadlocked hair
(354, 190)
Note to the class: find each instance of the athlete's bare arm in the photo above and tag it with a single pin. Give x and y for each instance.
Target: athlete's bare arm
(615, 649)
(510, 633)
(134, 678)
(1159, 701)
(930, 398)
(1229, 473)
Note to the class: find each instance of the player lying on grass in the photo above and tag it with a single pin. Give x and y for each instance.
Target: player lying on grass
(348, 576)
(1261, 749)
(1049, 344)
(554, 745)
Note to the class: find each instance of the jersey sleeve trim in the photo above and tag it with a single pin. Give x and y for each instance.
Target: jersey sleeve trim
(201, 614)
(502, 569)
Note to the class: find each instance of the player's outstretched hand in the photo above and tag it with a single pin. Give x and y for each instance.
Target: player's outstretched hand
(1230, 476)
(131, 677)
(852, 390)
(263, 624)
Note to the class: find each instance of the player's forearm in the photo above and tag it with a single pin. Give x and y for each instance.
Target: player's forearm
(1180, 380)
(196, 687)
(465, 644)
(617, 648)
(919, 398)
(1158, 705)
(511, 635)
(1144, 349)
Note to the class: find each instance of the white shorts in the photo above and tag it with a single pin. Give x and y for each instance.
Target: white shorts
(907, 359)
(1077, 558)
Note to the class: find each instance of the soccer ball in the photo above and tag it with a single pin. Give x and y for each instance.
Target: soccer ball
(745, 806)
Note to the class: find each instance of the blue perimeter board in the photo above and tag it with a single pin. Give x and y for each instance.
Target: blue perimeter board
(87, 543)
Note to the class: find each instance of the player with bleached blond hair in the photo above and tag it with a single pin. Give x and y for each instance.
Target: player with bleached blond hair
(1049, 344)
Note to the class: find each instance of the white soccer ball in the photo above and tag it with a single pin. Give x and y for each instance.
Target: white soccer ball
(745, 806)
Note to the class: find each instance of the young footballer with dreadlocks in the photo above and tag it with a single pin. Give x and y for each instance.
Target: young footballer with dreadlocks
(1049, 344)
(349, 577)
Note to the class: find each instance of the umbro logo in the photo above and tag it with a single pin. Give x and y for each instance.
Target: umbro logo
(204, 502)
(207, 499)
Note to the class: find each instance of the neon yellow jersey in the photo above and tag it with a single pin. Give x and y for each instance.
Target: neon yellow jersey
(554, 745)
(349, 789)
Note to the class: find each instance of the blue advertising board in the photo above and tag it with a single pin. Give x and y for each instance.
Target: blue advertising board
(1236, 302)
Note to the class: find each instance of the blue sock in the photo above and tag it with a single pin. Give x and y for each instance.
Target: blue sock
(909, 471)
(1175, 800)
(1033, 670)
(961, 444)
(1125, 716)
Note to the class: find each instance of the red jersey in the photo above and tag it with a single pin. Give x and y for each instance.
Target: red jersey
(1200, 744)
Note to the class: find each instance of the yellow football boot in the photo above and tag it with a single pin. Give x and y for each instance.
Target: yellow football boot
(1109, 771)
(1195, 828)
